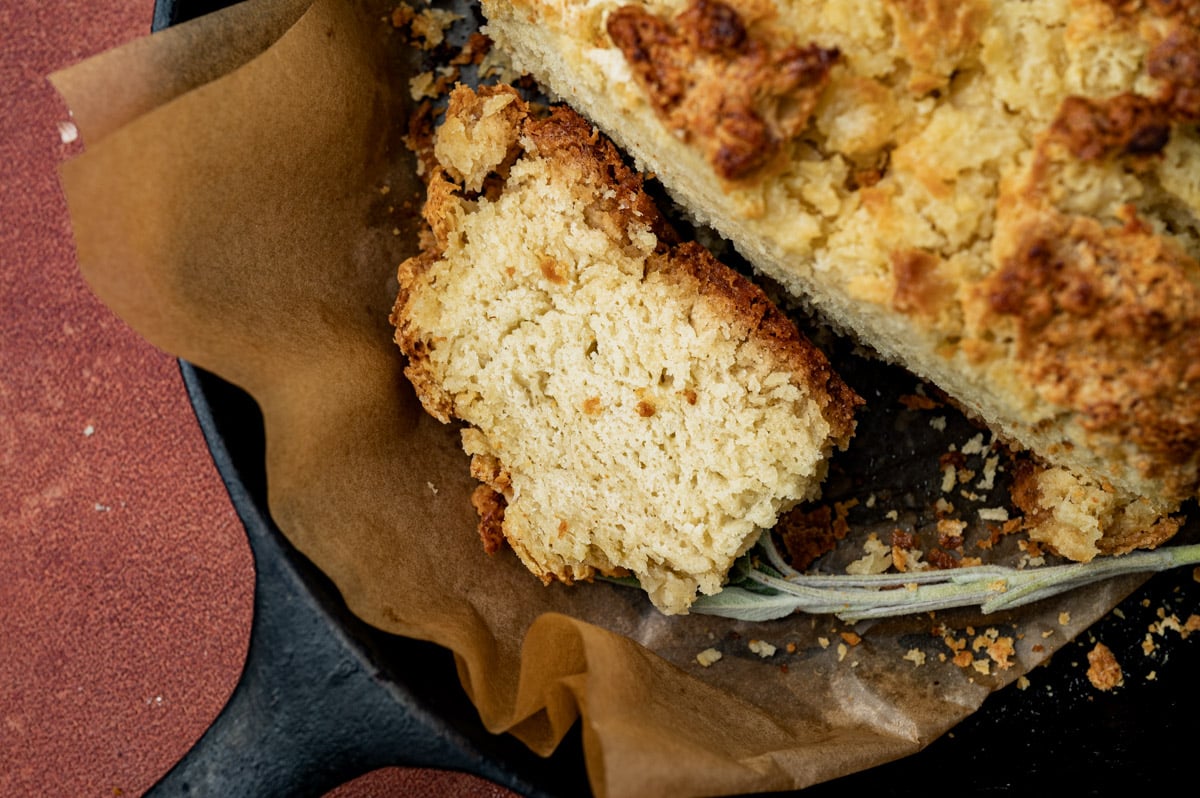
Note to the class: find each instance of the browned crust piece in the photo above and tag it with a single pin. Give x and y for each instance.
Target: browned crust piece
(1107, 322)
(1106, 317)
(1134, 125)
(1104, 672)
(1125, 534)
(1131, 124)
(490, 504)
(738, 94)
(568, 138)
(936, 35)
(436, 402)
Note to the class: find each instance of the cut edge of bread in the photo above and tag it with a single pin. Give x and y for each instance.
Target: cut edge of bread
(595, 451)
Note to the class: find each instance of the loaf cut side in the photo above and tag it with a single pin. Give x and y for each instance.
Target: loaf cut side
(631, 405)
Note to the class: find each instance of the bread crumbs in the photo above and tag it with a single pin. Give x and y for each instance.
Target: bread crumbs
(429, 26)
(762, 648)
(708, 657)
(877, 557)
(422, 85)
(918, 401)
(975, 445)
(990, 465)
(949, 478)
(916, 656)
(1001, 651)
(1104, 672)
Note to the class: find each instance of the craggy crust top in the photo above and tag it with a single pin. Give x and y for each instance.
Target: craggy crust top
(1108, 322)
(738, 95)
(633, 405)
(1003, 195)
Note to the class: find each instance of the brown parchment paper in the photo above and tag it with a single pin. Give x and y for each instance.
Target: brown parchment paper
(243, 202)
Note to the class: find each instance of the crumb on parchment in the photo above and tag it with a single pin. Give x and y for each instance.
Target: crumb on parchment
(427, 26)
(708, 657)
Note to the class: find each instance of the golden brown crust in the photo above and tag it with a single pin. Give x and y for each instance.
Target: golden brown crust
(936, 36)
(478, 161)
(1104, 672)
(918, 289)
(737, 94)
(1124, 539)
(1136, 125)
(436, 402)
(490, 506)
(1185, 11)
(1126, 526)
(569, 140)
(1107, 323)
(1127, 124)
(1176, 61)
(741, 301)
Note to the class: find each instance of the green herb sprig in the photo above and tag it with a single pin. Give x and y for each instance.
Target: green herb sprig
(764, 587)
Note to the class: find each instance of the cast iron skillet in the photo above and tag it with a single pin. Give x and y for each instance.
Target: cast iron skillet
(325, 698)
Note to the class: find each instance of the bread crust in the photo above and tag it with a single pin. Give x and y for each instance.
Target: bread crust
(738, 95)
(1006, 207)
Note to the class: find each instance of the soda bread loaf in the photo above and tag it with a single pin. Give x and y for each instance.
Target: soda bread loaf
(631, 404)
(1001, 195)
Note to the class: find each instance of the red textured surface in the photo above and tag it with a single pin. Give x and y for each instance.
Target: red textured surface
(125, 577)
